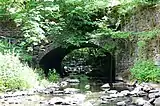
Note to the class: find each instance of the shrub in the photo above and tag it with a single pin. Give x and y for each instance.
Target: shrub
(53, 76)
(14, 74)
(44, 82)
(145, 70)
(23, 55)
(40, 73)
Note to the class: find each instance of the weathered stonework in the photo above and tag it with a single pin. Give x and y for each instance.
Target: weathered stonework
(9, 29)
(144, 19)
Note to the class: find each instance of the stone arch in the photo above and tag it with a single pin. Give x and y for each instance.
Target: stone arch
(53, 60)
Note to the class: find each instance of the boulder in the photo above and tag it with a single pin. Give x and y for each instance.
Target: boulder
(122, 103)
(87, 103)
(56, 100)
(78, 98)
(73, 80)
(125, 92)
(63, 84)
(71, 90)
(147, 104)
(112, 91)
(105, 86)
(154, 95)
(139, 101)
(157, 101)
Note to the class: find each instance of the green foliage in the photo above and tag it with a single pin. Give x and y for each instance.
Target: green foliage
(83, 78)
(61, 21)
(5, 46)
(67, 21)
(145, 70)
(44, 82)
(38, 20)
(128, 6)
(109, 47)
(53, 76)
(141, 43)
(120, 34)
(80, 17)
(84, 53)
(143, 40)
(40, 73)
(148, 35)
(14, 74)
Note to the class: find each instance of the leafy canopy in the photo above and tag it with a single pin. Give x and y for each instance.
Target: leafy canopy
(67, 21)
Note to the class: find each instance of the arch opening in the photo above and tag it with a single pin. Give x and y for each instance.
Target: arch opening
(55, 58)
(88, 61)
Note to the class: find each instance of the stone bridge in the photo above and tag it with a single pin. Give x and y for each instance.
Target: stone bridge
(51, 58)
(125, 53)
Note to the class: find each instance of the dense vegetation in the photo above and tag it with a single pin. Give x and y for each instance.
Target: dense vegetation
(14, 74)
(146, 71)
(69, 22)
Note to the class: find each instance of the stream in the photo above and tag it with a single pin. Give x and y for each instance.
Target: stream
(79, 94)
(42, 96)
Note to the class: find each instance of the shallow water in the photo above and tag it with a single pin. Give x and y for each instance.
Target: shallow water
(93, 96)
(40, 99)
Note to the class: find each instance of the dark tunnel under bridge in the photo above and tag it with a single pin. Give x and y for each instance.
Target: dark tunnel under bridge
(53, 60)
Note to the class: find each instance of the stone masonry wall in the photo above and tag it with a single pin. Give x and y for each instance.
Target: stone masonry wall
(144, 19)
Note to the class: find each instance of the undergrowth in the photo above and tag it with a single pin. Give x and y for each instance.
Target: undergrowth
(145, 71)
(14, 74)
